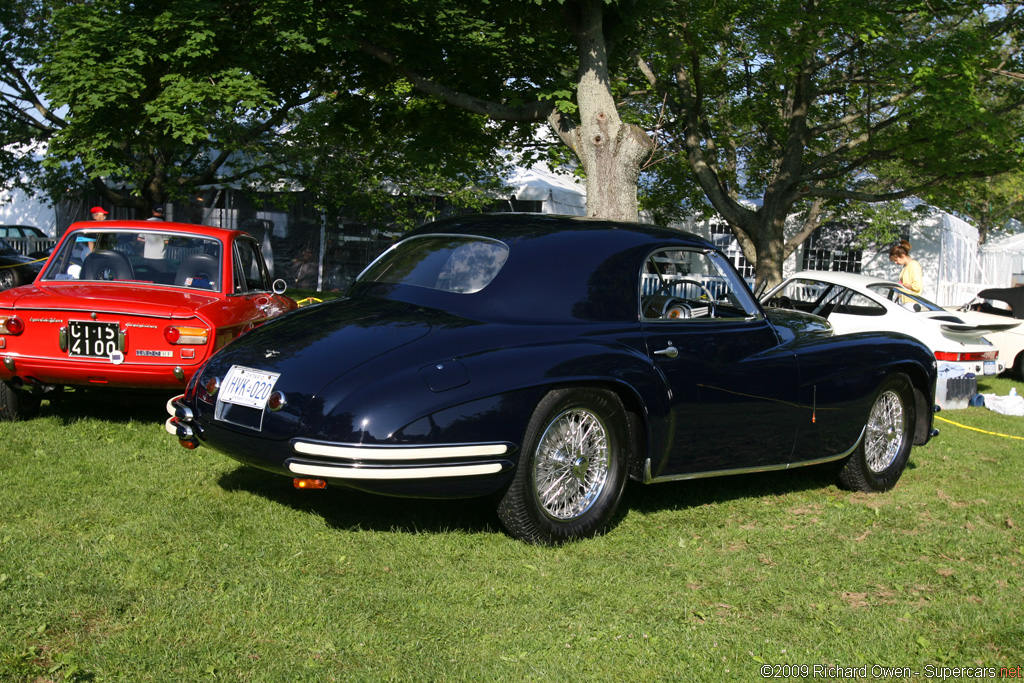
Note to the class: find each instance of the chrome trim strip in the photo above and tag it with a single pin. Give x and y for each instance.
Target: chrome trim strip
(400, 453)
(335, 472)
(648, 479)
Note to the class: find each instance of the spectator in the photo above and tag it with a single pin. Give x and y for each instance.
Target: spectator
(158, 213)
(911, 275)
(98, 213)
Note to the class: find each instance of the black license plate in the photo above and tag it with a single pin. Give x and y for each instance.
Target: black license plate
(92, 340)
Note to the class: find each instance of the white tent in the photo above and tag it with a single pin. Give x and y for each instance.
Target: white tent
(560, 193)
(1002, 261)
(17, 208)
(947, 249)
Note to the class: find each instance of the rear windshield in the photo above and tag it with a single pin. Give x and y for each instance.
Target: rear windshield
(149, 256)
(903, 296)
(448, 263)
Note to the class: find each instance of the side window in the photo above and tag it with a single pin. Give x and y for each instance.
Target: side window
(810, 296)
(250, 270)
(858, 304)
(681, 284)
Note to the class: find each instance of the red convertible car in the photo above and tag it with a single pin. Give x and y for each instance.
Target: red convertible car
(132, 305)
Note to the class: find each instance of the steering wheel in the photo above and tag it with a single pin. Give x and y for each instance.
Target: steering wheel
(664, 313)
(781, 301)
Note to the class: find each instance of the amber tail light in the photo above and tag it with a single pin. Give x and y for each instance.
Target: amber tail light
(11, 325)
(177, 334)
(309, 483)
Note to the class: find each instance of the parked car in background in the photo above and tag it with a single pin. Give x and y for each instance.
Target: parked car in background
(21, 231)
(859, 303)
(16, 268)
(1010, 342)
(130, 305)
(28, 240)
(545, 360)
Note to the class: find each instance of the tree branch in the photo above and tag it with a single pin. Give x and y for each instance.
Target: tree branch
(535, 111)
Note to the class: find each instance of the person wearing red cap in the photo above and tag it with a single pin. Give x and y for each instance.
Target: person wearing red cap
(98, 213)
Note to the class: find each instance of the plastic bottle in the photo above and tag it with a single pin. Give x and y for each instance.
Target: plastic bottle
(1013, 391)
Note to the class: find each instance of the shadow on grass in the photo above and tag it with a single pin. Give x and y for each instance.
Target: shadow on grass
(350, 509)
(109, 405)
(679, 495)
(343, 508)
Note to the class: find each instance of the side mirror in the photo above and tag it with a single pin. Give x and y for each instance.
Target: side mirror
(280, 286)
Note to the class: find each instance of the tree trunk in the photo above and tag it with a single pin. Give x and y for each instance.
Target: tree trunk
(769, 245)
(609, 150)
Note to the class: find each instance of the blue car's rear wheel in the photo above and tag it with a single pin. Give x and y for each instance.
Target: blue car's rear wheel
(572, 469)
(880, 458)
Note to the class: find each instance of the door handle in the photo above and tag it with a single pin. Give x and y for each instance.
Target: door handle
(670, 352)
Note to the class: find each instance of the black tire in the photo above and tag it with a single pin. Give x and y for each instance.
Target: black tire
(9, 277)
(572, 468)
(883, 452)
(1018, 367)
(16, 405)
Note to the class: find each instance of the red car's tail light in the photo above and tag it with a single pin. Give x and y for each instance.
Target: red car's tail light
(963, 357)
(11, 325)
(177, 334)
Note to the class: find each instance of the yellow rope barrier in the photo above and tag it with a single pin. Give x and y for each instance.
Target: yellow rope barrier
(25, 263)
(975, 429)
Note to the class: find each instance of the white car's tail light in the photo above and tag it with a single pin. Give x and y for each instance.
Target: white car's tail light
(963, 357)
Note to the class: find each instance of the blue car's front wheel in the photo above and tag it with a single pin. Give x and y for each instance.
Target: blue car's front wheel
(881, 456)
(572, 469)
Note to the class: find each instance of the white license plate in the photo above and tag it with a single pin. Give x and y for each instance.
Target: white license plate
(247, 387)
(990, 367)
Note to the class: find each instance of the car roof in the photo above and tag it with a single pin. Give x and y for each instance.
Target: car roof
(840, 278)
(158, 226)
(1011, 295)
(559, 268)
(517, 226)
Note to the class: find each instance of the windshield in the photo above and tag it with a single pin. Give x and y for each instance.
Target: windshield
(6, 248)
(449, 263)
(897, 294)
(138, 256)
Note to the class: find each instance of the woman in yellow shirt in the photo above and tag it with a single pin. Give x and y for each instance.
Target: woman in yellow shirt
(911, 276)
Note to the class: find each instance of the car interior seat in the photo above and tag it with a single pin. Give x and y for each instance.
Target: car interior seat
(107, 265)
(198, 270)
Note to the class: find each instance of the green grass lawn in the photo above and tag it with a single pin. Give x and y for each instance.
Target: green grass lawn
(124, 557)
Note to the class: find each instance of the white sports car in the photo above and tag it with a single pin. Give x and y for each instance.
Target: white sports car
(858, 303)
(1011, 342)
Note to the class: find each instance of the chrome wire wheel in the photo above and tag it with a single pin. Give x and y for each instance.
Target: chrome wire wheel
(571, 464)
(886, 431)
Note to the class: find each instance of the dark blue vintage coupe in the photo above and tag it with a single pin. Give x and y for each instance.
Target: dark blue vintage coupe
(544, 361)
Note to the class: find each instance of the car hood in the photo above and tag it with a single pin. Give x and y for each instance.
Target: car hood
(793, 324)
(311, 347)
(15, 257)
(149, 301)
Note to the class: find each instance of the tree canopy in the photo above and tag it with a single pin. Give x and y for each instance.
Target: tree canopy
(786, 108)
(757, 112)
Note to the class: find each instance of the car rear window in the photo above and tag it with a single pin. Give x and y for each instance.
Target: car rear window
(448, 263)
(148, 256)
